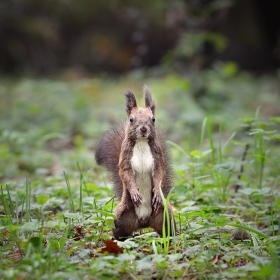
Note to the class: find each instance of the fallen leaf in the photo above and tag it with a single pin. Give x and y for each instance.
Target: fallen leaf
(111, 247)
(215, 259)
(79, 230)
(5, 232)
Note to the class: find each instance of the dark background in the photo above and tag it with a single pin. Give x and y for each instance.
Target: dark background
(86, 36)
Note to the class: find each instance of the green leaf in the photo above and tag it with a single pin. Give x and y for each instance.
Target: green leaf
(30, 226)
(128, 244)
(270, 132)
(105, 213)
(73, 215)
(55, 224)
(256, 131)
(247, 191)
(276, 119)
(231, 69)
(264, 191)
(175, 257)
(36, 242)
(110, 222)
(126, 257)
(195, 153)
(228, 166)
(144, 263)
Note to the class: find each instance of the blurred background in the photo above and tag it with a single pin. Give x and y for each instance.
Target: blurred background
(65, 64)
(91, 37)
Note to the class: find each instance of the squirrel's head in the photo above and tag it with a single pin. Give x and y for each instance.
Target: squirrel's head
(141, 121)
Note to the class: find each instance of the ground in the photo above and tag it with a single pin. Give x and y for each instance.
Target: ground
(56, 203)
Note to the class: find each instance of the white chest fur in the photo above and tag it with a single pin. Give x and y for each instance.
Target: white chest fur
(142, 163)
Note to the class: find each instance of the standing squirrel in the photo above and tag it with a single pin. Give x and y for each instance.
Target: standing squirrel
(136, 155)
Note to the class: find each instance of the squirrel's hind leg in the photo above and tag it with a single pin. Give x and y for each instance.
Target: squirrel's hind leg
(125, 224)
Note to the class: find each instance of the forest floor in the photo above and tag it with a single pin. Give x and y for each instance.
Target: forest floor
(56, 206)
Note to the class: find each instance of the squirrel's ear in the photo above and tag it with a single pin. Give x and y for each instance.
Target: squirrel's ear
(130, 101)
(149, 102)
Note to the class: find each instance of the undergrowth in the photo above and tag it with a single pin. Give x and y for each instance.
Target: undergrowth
(57, 210)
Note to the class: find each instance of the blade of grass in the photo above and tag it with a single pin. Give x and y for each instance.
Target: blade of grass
(81, 194)
(7, 209)
(177, 147)
(203, 128)
(228, 140)
(259, 149)
(210, 135)
(220, 144)
(10, 201)
(71, 202)
(27, 199)
(165, 235)
(180, 223)
(85, 178)
(168, 223)
(249, 229)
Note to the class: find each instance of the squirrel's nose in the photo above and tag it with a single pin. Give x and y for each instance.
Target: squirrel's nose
(143, 129)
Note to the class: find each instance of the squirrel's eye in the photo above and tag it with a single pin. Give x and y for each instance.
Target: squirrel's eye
(153, 119)
(131, 119)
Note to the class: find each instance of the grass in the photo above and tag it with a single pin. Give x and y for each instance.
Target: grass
(56, 206)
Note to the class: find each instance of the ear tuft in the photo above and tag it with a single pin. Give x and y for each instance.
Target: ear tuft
(149, 103)
(130, 101)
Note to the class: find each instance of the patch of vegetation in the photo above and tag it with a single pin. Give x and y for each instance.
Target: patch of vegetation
(56, 210)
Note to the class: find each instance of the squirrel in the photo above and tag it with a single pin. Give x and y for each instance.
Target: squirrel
(136, 155)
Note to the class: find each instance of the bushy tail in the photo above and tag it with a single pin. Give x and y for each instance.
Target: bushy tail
(108, 151)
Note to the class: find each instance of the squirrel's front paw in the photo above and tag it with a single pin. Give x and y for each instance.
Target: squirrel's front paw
(136, 197)
(157, 201)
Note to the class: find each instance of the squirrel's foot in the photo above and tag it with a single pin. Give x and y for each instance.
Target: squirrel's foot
(157, 201)
(135, 196)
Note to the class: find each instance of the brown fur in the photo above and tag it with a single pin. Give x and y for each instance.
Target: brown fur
(115, 152)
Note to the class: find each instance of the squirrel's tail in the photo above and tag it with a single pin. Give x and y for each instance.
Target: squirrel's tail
(108, 150)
